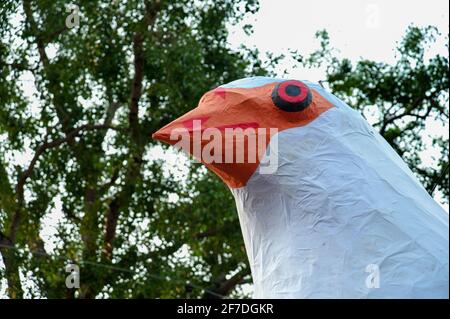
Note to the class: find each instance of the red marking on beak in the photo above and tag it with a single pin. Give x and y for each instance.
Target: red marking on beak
(239, 125)
(189, 124)
(220, 92)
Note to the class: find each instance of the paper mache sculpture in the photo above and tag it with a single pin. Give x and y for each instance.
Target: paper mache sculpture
(327, 209)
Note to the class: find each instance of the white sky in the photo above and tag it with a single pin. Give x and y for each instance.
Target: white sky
(358, 28)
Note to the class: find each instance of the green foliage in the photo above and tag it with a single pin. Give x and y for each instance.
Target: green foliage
(127, 69)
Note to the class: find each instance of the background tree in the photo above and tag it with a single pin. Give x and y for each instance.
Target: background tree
(135, 227)
(102, 89)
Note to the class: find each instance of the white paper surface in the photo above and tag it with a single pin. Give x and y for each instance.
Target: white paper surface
(341, 202)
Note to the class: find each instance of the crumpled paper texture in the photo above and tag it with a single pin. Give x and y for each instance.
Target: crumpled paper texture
(340, 200)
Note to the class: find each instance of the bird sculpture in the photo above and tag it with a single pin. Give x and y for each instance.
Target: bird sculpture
(328, 209)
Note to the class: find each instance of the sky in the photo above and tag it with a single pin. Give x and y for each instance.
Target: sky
(357, 28)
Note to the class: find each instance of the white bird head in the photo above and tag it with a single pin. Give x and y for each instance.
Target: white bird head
(260, 107)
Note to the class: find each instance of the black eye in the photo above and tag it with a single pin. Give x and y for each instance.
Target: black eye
(291, 96)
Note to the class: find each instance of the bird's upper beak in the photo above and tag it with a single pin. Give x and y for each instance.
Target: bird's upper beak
(239, 110)
(213, 112)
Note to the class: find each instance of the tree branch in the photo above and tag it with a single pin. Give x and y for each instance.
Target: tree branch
(35, 31)
(27, 173)
(11, 267)
(408, 112)
(137, 147)
(205, 234)
(224, 286)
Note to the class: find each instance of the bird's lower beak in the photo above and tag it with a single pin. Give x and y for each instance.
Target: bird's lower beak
(160, 135)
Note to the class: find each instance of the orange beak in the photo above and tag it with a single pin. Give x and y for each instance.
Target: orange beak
(251, 110)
